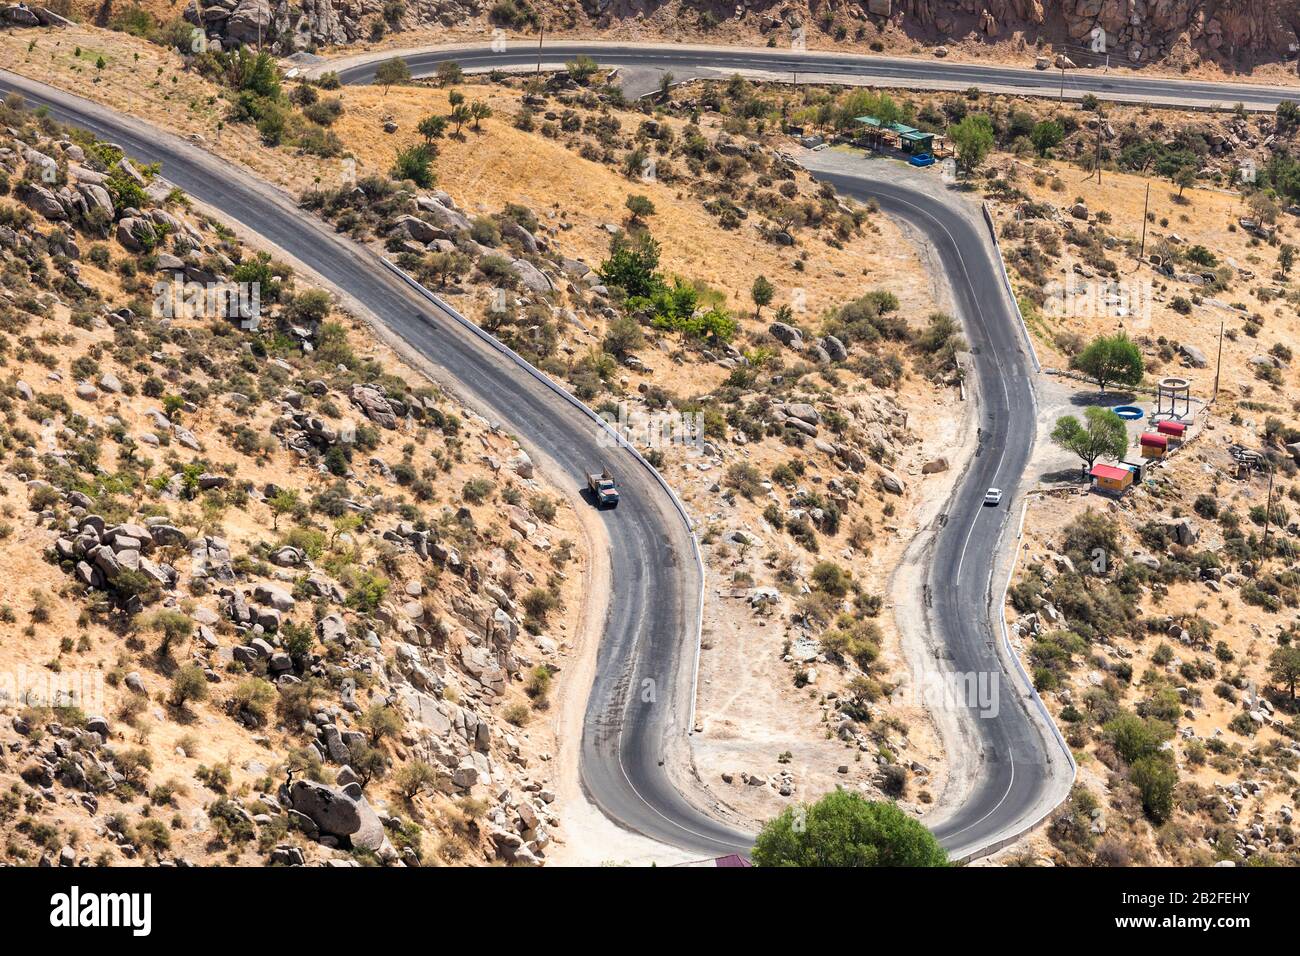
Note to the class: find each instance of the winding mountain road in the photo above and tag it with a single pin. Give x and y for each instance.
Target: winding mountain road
(1025, 769)
(640, 699)
(639, 705)
(645, 61)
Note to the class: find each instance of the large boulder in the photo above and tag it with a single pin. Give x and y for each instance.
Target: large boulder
(417, 228)
(274, 596)
(135, 233)
(338, 814)
(802, 411)
(891, 482)
(96, 198)
(530, 276)
(447, 218)
(250, 22)
(44, 202)
(376, 407)
(787, 335)
(1193, 356)
(512, 230)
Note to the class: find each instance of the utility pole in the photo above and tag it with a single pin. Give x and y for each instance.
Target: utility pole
(1218, 364)
(1062, 96)
(541, 32)
(1146, 204)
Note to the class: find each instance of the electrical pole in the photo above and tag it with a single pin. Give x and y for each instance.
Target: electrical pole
(1146, 204)
(1062, 96)
(1218, 364)
(541, 32)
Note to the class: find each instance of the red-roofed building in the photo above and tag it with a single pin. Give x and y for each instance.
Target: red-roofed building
(1153, 445)
(1172, 429)
(1112, 478)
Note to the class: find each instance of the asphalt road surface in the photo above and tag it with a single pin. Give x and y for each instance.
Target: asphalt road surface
(648, 60)
(640, 698)
(1023, 769)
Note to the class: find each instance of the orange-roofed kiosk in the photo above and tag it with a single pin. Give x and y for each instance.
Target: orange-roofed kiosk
(1112, 478)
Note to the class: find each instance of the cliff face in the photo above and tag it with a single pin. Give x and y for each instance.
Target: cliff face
(1231, 32)
(1140, 30)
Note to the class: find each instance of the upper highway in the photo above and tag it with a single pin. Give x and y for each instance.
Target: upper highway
(685, 61)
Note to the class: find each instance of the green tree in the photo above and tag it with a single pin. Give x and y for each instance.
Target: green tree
(415, 778)
(416, 164)
(189, 683)
(1110, 360)
(253, 72)
(1045, 135)
(1155, 776)
(284, 502)
(1102, 433)
(1134, 738)
(381, 721)
(445, 266)
(174, 626)
(640, 208)
(623, 336)
(1284, 667)
(1185, 177)
(665, 85)
(845, 829)
(432, 127)
(631, 266)
(479, 111)
(582, 69)
(761, 292)
(460, 115)
(973, 139)
(1286, 258)
(449, 73)
(392, 71)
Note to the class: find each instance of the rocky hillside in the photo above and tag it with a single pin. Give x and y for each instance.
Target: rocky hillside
(273, 599)
(1170, 664)
(1179, 33)
(787, 391)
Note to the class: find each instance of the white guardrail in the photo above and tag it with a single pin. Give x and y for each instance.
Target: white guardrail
(618, 440)
(1006, 282)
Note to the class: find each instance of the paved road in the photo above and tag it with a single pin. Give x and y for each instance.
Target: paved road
(641, 694)
(648, 60)
(648, 646)
(1024, 770)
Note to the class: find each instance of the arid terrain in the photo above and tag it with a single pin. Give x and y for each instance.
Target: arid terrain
(303, 576)
(252, 563)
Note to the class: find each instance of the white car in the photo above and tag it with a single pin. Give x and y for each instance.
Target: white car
(993, 497)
